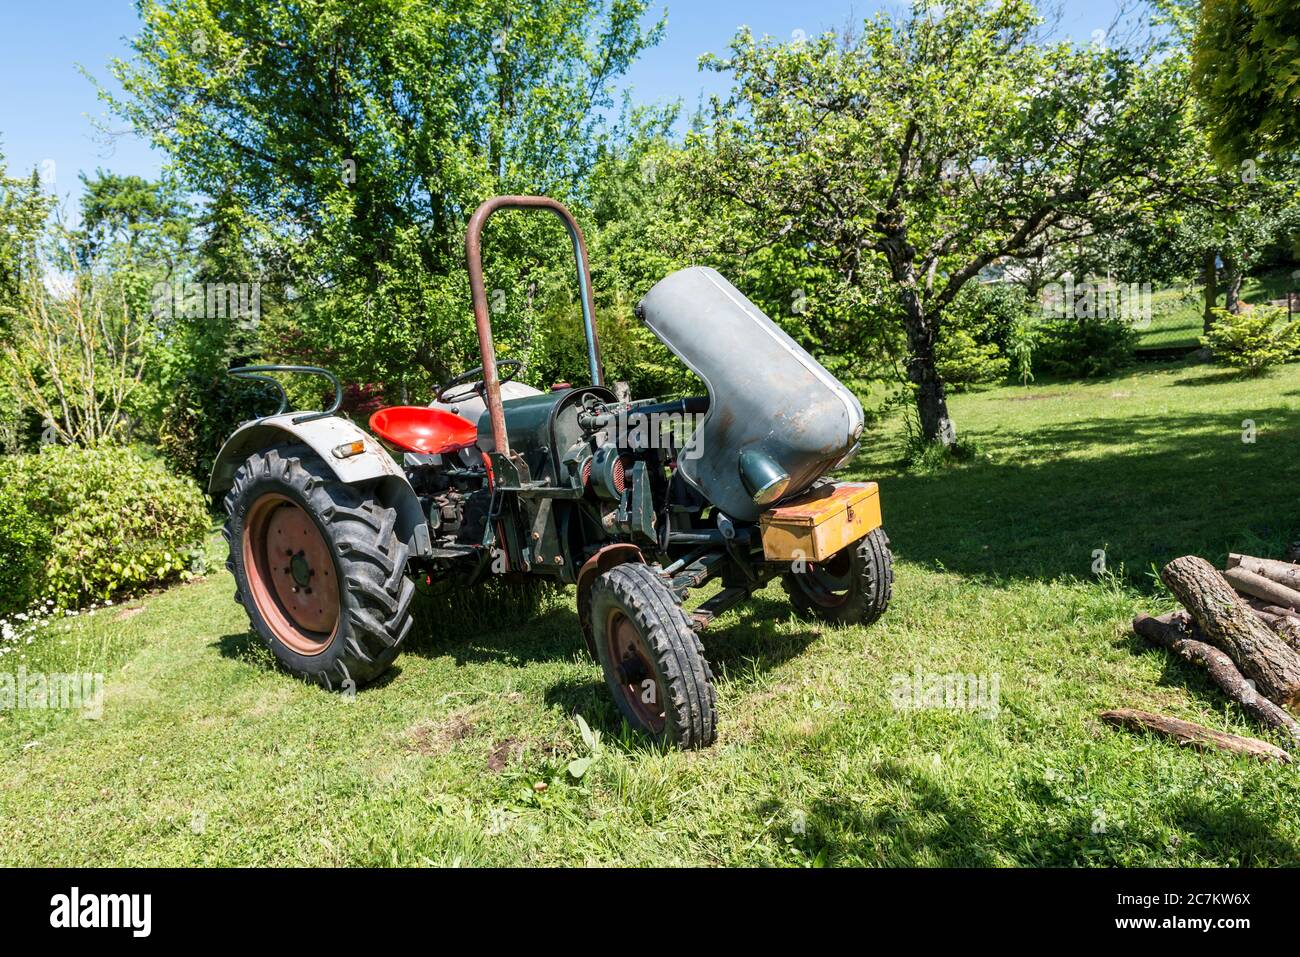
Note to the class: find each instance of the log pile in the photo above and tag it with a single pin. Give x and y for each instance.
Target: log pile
(1242, 625)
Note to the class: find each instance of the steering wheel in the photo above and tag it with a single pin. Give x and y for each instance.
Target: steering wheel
(514, 367)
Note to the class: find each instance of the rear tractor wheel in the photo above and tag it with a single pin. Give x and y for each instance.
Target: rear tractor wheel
(653, 661)
(318, 567)
(852, 587)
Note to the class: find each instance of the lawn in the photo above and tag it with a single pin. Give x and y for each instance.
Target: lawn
(204, 754)
(1177, 312)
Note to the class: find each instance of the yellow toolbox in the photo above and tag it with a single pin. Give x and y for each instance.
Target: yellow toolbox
(815, 526)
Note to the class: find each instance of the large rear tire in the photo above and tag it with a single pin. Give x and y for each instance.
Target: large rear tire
(853, 587)
(318, 567)
(653, 661)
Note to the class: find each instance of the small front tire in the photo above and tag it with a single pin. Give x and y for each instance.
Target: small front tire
(853, 587)
(653, 661)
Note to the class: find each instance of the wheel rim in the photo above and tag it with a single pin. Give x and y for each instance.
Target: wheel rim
(291, 574)
(829, 583)
(632, 669)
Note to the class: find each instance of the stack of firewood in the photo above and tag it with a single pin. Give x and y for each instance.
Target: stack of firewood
(1242, 625)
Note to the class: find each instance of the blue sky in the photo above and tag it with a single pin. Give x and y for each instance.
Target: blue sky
(47, 105)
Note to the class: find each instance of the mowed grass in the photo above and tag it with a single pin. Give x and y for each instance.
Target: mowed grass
(1177, 313)
(205, 754)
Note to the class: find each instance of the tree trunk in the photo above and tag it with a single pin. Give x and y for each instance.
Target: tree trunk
(931, 397)
(1210, 278)
(1232, 288)
(1176, 632)
(1195, 735)
(1230, 624)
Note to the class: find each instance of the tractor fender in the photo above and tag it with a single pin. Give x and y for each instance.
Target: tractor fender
(618, 553)
(323, 436)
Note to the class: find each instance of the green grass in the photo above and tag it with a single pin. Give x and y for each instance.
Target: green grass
(1177, 313)
(207, 755)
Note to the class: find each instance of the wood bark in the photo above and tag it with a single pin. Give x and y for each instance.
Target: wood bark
(1230, 625)
(1210, 279)
(1177, 632)
(1284, 573)
(1194, 735)
(1249, 583)
(1281, 612)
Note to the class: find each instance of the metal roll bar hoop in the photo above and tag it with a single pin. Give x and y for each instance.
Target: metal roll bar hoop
(482, 319)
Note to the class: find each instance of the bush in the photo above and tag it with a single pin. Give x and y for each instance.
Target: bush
(24, 543)
(202, 415)
(991, 311)
(1254, 340)
(1084, 348)
(962, 362)
(980, 332)
(88, 524)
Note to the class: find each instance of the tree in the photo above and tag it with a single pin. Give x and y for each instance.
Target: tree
(77, 352)
(1209, 213)
(926, 149)
(135, 221)
(1246, 71)
(24, 211)
(360, 136)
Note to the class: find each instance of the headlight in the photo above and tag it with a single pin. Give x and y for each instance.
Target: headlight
(764, 479)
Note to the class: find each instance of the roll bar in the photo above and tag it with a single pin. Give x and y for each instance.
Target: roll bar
(478, 291)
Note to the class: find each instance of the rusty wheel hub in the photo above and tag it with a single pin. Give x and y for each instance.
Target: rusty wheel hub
(636, 676)
(291, 574)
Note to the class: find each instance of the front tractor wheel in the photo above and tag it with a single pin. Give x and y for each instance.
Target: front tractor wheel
(318, 567)
(852, 587)
(653, 661)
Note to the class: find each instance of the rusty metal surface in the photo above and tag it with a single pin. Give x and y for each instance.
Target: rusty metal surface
(765, 391)
(820, 504)
(599, 563)
(478, 292)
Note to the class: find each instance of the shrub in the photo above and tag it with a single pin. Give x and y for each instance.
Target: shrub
(980, 331)
(24, 543)
(99, 521)
(1083, 347)
(991, 311)
(202, 415)
(1253, 341)
(962, 362)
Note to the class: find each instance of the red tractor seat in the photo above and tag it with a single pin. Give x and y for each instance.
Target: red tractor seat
(417, 428)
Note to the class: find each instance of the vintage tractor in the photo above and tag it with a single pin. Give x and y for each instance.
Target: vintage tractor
(636, 503)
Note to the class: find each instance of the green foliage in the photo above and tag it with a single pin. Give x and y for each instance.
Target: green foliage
(984, 324)
(962, 362)
(24, 543)
(103, 521)
(1247, 75)
(202, 415)
(1086, 348)
(1253, 340)
(358, 140)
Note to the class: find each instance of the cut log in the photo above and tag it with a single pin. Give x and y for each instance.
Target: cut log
(1177, 632)
(1249, 583)
(1277, 610)
(1230, 625)
(1284, 573)
(1193, 735)
(1283, 623)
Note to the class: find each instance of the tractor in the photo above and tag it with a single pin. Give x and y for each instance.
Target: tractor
(636, 503)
